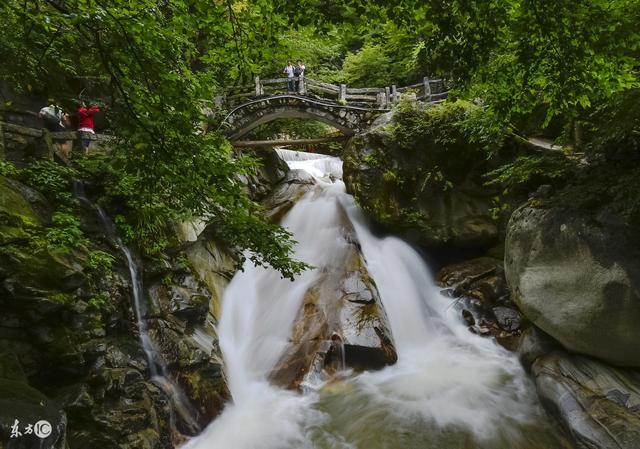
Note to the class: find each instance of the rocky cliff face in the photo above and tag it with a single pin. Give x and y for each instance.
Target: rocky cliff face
(404, 191)
(69, 345)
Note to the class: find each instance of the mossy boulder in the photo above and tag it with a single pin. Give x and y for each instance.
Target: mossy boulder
(26, 269)
(419, 173)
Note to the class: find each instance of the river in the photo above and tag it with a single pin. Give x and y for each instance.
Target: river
(449, 389)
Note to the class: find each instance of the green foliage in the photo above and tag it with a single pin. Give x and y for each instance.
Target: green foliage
(574, 62)
(51, 179)
(7, 168)
(65, 233)
(100, 262)
(370, 66)
(152, 67)
(606, 189)
(100, 302)
(613, 128)
(447, 141)
(526, 173)
(568, 56)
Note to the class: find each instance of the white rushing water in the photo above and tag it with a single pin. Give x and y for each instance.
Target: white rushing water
(449, 388)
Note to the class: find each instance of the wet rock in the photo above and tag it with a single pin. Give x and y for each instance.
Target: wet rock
(22, 406)
(341, 317)
(271, 172)
(533, 345)
(182, 295)
(468, 317)
(578, 280)
(479, 289)
(71, 336)
(507, 318)
(285, 194)
(597, 404)
(214, 265)
(481, 278)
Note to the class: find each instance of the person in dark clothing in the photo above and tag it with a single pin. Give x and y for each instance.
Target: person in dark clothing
(298, 72)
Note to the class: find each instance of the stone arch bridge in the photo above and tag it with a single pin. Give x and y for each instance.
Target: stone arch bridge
(351, 111)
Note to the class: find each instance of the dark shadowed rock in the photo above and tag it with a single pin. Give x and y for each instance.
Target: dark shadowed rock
(481, 278)
(392, 187)
(507, 318)
(533, 345)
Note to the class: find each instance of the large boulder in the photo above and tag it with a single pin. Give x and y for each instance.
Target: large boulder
(578, 279)
(424, 184)
(342, 322)
(598, 405)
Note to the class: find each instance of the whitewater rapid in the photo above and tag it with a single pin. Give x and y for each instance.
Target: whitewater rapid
(449, 388)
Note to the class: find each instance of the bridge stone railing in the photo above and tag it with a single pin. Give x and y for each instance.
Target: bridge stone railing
(429, 90)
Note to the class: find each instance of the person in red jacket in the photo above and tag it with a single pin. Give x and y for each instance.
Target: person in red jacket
(85, 120)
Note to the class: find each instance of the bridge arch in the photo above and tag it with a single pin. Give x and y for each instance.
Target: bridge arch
(348, 119)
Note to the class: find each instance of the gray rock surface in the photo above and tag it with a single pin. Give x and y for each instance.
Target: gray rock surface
(578, 280)
(598, 405)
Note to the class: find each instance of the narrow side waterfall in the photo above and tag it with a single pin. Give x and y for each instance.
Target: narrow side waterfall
(157, 366)
(450, 389)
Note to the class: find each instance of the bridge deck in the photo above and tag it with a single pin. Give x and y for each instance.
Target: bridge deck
(429, 90)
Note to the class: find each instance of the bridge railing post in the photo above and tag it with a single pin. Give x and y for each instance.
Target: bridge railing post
(387, 96)
(301, 87)
(259, 90)
(427, 89)
(342, 94)
(394, 94)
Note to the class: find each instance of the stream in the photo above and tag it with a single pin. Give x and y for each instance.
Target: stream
(449, 388)
(158, 370)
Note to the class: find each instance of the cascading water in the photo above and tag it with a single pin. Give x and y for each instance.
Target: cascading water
(449, 388)
(157, 366)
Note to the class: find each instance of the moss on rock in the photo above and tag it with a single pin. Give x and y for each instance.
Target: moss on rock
(419, 173)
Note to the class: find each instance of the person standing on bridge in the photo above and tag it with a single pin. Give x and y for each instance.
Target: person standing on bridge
(289, 71)
(298, 72)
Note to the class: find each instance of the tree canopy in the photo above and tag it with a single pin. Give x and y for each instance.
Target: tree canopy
(155, 63)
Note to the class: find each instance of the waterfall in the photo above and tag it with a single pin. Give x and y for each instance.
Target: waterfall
(157, 366)
(449, 388)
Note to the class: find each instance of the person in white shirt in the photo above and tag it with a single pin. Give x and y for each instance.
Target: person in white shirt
(289, 71)
(54, 118)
